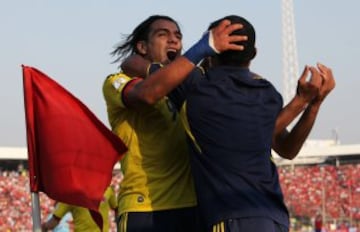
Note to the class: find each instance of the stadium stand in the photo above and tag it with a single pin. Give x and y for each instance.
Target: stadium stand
(15, 197)
(323, 179)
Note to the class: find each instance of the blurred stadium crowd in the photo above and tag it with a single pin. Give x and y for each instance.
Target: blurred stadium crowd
(15, 201)
(329, 190)
(332, 191)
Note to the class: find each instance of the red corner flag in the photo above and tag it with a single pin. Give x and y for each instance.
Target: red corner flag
(71, 153)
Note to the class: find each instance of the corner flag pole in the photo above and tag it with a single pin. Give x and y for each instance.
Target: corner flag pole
(35, 205)
(33, 175)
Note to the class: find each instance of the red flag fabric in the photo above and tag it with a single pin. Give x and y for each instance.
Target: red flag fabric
(71, 153)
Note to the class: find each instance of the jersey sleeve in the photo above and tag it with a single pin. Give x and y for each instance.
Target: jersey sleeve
(112, 198)
(114, 89)
(61, 209)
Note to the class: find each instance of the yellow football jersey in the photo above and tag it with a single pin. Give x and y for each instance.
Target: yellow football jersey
(82, 219)
(156, 167)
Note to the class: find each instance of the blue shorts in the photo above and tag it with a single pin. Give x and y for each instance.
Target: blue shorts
(249, 224)
(176, 220)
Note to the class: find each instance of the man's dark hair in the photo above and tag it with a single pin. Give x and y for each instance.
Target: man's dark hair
(140, 33)
(238, 57)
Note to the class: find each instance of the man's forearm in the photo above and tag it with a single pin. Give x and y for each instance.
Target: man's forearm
(289, 113)
(290, 145)
(161, 82)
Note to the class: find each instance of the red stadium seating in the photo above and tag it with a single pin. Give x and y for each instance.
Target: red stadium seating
(15, 202)
(308, 190)
(313, 189)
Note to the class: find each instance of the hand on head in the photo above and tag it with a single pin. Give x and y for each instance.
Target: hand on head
(222, 38)
(217, 40)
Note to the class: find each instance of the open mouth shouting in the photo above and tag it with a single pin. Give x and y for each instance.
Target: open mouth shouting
(172, 54)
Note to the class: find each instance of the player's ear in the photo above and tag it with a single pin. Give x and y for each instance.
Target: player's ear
(141, 47)
(254, 53)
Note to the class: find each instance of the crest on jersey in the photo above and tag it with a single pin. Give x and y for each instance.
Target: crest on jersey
(119, 82)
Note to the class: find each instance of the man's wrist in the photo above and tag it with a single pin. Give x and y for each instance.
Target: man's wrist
(211, 43)
(203, 48)
(300, 101)
(315, 104)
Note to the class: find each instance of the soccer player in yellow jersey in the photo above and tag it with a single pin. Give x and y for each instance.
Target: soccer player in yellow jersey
(157, 192)
(82, 219)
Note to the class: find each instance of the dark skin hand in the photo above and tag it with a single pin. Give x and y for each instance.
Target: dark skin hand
(309, 97)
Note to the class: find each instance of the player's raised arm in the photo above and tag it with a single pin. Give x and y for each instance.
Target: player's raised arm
(161, 82)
